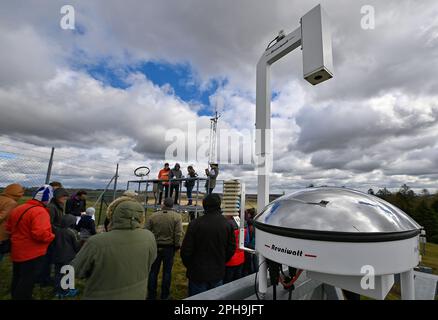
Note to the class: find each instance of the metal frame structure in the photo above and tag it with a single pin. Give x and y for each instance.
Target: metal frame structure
(283, 46)
(196, 208)
(313, 36)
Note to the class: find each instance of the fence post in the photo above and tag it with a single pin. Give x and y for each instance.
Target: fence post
(115, 182)
(49, 168)
(100, 209)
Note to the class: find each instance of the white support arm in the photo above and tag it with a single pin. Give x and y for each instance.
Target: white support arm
(263, 112)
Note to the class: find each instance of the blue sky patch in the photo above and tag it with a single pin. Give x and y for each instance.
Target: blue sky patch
(7, 155)
(182, 78)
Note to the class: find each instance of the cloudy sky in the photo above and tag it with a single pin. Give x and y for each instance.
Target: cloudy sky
(130, 71)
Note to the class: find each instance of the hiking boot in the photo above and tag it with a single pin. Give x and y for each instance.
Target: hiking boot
(72, 293)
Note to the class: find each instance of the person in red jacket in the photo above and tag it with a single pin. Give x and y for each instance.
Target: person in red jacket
(164, 184)
(234, 267)
(31, 234)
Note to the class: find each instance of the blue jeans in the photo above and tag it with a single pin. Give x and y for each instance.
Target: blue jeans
(198, 287)
(164, 255)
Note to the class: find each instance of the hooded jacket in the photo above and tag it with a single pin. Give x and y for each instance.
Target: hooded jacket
(30, 236)
(112, 206)
(8, 201)
(67, 242)
(116, 264)
(208, 245)
(175, 173)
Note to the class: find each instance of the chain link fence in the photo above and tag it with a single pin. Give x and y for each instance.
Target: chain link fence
(29, 165)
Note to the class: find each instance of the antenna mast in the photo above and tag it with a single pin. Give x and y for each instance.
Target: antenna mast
(213, 138)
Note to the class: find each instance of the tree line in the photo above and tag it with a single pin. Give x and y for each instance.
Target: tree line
(422, 207)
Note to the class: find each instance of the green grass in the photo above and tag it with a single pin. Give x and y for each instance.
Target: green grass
(431, 257)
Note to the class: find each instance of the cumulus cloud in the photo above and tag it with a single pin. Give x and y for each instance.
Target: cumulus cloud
(372, 125)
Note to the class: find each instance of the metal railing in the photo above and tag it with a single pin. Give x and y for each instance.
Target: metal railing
(151, 189)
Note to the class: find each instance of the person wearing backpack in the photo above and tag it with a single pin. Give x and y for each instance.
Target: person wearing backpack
(31, 234)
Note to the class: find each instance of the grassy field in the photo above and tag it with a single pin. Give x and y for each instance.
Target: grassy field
(179, 280)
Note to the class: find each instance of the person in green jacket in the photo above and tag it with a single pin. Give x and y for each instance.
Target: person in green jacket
(117, 263)
(168, 231)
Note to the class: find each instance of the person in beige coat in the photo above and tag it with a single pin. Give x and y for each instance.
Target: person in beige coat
(8, 201)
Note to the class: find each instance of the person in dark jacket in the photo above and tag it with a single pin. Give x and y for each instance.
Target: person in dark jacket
(175, 173)
(190, 183)
(56, 207)
(56, 211)
(67, 245)
(208, 245)
(86, 225)
(76, 204)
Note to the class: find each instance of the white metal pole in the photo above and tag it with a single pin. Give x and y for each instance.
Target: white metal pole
(407, 285)
(242, 216)
(317, 65)
(263, 277)
(263, 127)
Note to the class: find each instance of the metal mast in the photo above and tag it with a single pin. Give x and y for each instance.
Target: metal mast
(213, 138)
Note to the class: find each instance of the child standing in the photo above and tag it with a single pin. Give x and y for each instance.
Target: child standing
(86, 225)
(67, 244)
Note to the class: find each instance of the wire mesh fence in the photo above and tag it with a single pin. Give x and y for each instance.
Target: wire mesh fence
(26, 167)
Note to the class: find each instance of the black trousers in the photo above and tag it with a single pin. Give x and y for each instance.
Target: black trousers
(44, 278)
(166, 193)
(174, 187)
(233, 273)
(24, 276)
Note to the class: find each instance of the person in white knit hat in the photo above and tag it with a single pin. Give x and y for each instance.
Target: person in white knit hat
(86, 225)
